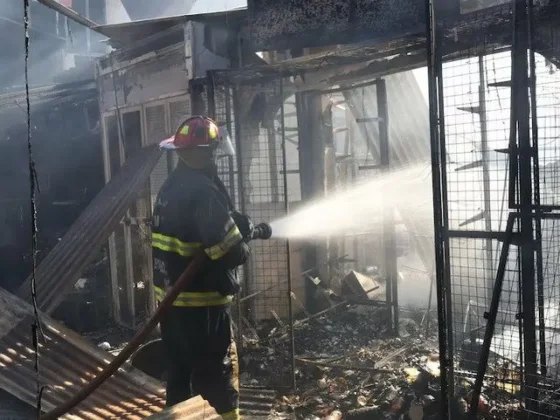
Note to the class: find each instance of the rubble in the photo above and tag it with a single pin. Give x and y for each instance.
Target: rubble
(348, 364)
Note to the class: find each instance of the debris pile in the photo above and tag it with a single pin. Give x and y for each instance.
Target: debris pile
(350, 366)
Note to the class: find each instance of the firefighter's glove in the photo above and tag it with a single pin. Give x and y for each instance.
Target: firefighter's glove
(244, 223)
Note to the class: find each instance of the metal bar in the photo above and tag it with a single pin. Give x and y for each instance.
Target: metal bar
(88, 30)
(306, 151)
(288, 262)
(387, 225)
(430, 296)
(537, 192)
(229, 125)
(247, 268)
(445, 229)
(492, 315)
(489, 263)
(351, 87)
(520, 93)
(70, 14)
(434, 70)
(367, 167)
(389, 212)
(272, 161)
(513, 154)
(477, 234)
(369, 119)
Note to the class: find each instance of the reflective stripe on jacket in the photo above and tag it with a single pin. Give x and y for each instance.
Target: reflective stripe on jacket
(192, 212)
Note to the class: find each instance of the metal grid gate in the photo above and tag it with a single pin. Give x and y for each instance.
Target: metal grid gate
(256, 178)
(494, 157)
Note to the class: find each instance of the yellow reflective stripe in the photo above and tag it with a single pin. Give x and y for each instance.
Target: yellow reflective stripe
(231, 415)
(170, 244)
(232, 238)
(195, 299)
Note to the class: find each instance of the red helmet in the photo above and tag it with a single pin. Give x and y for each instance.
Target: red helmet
(199, 131)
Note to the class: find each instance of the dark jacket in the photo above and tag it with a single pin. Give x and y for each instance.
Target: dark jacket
(192, 211)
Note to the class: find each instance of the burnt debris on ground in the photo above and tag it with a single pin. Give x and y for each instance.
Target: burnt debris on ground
(349, 365)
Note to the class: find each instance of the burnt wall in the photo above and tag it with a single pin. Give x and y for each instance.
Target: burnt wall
(69, 164)
(291, 24)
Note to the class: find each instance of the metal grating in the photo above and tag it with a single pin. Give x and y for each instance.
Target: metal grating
(67, 362)
(156, 131)
(58, 272)
(256, 179)
(495, 158)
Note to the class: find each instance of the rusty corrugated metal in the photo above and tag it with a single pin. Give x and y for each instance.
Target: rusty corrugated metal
(66, 363)
(194, 409)
(61, 268)
(256, 403)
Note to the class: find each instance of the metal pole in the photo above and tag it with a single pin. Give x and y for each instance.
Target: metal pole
(537, 193)
(520, 91)
(485, 173)
(88, 31)
(288, 261)
(445, 217)
(433, 70)
(491, 317)
(70, 14)
(229, 125)
(389, 212)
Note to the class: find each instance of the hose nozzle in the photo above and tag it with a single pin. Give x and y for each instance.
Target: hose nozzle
(262, 231)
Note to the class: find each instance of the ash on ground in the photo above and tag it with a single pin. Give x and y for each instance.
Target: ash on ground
(349, 365)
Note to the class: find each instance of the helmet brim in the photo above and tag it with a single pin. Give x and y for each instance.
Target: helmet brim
(168, 144)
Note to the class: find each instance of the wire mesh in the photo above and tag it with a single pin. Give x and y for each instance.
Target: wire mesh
(255, 178)
(478, 159)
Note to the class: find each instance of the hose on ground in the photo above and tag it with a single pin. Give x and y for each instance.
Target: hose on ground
(185, 279)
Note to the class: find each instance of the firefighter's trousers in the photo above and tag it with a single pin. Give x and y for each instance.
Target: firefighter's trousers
(202, 357)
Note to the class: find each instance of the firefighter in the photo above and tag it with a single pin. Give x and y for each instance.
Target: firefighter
(193, 210)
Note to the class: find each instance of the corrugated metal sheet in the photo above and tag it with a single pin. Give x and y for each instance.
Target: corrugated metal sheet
(256, 403)
(59, 271)
(67, 92)
(67, 362)
(129, 32)
(194, 409)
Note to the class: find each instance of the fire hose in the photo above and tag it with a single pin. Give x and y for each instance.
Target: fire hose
(261, 231)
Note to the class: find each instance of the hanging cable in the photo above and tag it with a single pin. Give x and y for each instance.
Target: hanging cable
(36, 329)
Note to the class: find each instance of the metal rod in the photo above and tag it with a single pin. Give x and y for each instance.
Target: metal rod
(229, 125)
(272, 161)
(88, 30)
(70, 14)
(445, 218)
(430, 296)
(389, 212)
(537, 192)
(489, 263)
(520, 92)
(247, 268)
(351, 87)
(434, 67)
(477, 234)
(288, 257)
(492, 315)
